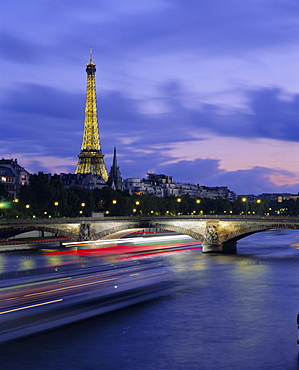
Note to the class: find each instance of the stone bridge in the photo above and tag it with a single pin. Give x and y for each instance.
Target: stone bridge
(217, 234)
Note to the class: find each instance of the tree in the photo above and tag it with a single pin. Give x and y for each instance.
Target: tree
(3, 192)
(38, 195)
(84, 204)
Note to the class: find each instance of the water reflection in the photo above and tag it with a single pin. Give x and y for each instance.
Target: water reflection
(226, 312)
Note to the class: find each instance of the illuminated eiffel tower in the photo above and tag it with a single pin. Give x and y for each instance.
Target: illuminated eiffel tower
(91, 159)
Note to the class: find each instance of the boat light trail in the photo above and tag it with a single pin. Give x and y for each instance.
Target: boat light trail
(35, 283)
(31, 306)
(68, 287)
(135, 240)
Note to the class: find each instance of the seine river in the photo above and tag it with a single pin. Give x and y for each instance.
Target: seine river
(223, 312)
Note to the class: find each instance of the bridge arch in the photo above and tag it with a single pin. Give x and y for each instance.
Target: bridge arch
(183, 230)
(116, 229)
(18, 229)
(124, 228)
(228, 233)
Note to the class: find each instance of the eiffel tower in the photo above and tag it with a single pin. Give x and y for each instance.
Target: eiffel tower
(91, 158)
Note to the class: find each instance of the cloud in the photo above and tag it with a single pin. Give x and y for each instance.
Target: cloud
(198, 171)
(49, 121)
(274, 117)
(129, 30)
(18, 48)
(42, 100)
(257, 180)
(269, 115)
(203, 89)
(51, 164)
(194, 28)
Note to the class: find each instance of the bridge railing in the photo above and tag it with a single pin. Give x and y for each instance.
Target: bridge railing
(283, 218)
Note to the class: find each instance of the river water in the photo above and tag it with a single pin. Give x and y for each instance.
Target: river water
(224, 312)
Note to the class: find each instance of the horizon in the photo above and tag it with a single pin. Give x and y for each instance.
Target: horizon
(158, 174)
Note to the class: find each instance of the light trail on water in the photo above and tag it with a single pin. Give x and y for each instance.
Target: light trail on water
(30, 306)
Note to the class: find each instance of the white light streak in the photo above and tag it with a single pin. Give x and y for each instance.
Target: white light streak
(68, 287)
(135, 240)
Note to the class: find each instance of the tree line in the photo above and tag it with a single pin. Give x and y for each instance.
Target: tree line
(45, 197)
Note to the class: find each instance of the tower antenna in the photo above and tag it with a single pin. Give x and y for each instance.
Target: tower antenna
(90, 52)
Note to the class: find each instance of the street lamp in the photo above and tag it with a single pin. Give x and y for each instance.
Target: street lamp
(27, 207)
(137, 206)
(82, 205)
(198, 201)
(245, 208)
(56, 204)
(179, 201)
(114, 202)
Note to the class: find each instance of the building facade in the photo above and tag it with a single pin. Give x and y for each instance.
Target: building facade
(13, 176)
(163, 186)
(82, 180)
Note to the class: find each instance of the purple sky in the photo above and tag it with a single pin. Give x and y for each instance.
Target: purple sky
(206, 91)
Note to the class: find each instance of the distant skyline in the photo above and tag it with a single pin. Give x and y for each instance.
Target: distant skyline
(204, 91)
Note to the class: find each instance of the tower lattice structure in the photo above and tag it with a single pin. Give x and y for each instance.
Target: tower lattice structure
(91, 158)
